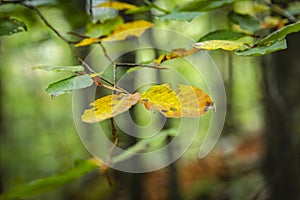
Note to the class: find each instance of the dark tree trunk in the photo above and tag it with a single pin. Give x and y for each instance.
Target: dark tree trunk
(282, 159)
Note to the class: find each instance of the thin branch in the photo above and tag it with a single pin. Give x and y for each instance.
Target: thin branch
(105, 52)
(112, 62)
(47, 23)
(77, 35)
(280, 11)
(11, 1)
(115, 74)
(84, 63)
(115, 89)
(88, 68)
(91, 9)
(139, 65)
(115, 138)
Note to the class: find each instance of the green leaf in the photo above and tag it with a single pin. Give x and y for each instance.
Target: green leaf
(105, 28)
(204, 5)
(132, 69)
(76, 68)
(40, 3)
(186, 16)
(138, 10)
(263, 50)
(246, 22)
(221, 44)
(279, 34)
(69, 84)
(46, 184)
(222, 35)
(9, 26)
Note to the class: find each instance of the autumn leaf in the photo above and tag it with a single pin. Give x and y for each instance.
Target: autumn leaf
(122, 32)
(221, 44)
(109, 106)
(188, 102)
(117, 5)
(194, 101)
(163, 99)
(87, 41)
(130, 29)
(175, 53)
(272, 22)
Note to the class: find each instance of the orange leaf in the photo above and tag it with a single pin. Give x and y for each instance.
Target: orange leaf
(130, 29)
(117, 5)
(109, 106)
(194, 101)
(188, 102)
(87, 41)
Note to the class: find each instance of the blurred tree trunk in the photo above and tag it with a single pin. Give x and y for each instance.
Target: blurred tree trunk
(282, 157)
(1, 127)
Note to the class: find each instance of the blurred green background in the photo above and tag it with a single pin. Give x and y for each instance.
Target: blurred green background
(38, 136)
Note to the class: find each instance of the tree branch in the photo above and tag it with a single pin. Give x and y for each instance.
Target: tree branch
(47, 23)
(91, 9)
(139, 65)
(112, 62)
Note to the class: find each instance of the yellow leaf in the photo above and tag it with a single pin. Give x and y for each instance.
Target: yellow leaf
(130, 29)
(271, 22)
(175, 53)
(194, 101)
(96, 74)
(221, 44)
(117, 5)
(109, 106)
(188, 102)
(87, 41)
(160, 59)
(98, 162)
(163, 99)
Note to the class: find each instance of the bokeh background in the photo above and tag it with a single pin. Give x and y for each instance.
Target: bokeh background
(256, 157)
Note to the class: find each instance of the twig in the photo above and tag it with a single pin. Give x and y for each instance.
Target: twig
(91, 10)
(277, 9)
(47, 23)
(60, 36)
(69, 43)
(112, 62)
(84, 63)
(115, 138)
(115, 89)
(11, 1)
(139, 65)
(105, 52)
(77, 34)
